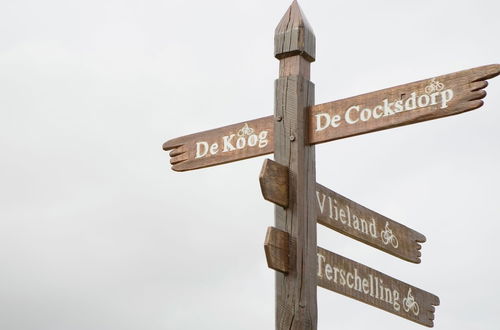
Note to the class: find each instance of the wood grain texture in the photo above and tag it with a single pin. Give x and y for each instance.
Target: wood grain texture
(193, 151)
(356, 221)
(296, 303)
(347, 217)
(407, 104)
(296, 292)
(294, 35)
(467, 86)
(362, 283)
(276, 247)
(372, 287)
(273, 180)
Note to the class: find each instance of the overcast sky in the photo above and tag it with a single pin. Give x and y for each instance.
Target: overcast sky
(98, 233)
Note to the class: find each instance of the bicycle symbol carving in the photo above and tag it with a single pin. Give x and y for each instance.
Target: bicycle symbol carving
(434, 86)
(245, 130)
(409, 303)
(388, 236)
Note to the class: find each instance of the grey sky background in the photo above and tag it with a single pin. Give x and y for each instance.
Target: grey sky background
(96, 231)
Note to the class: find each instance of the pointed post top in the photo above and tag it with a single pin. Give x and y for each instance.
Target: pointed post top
(294, 35)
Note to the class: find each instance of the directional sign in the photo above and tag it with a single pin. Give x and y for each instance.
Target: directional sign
(222, 145)
(423, 100)
(372, 287)
(356, 281)
(402, 105)
(356, 221)
(345, 216)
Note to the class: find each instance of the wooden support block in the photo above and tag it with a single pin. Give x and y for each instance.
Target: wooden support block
(273, 180)
(277, 250)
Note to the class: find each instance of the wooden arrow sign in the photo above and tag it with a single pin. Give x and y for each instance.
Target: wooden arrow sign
(222, 145)
(356, 281)
(372, 287)
(402, 105)
(412, 103)
(345, 216)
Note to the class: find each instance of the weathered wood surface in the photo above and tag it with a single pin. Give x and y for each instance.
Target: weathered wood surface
(345, 216)
(456, 93)
(294, 36)
(356, 221)
(222, 145)
(412, 103)
(273, 180)
(296, 304)
(362, 283)
(277, 250)
(372, 287)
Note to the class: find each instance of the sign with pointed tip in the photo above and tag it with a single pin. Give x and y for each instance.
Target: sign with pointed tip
(357, 281)
(222, 145)
(345, 216)
(407, 104)
(412, 103)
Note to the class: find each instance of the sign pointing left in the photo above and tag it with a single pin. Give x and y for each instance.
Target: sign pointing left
(222, 145)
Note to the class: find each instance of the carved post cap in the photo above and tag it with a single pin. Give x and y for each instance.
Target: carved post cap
(294, 36)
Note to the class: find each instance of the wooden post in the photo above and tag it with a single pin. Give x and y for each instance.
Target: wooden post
(294, 41)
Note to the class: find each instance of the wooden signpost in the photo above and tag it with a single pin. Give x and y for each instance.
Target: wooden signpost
(290, 181)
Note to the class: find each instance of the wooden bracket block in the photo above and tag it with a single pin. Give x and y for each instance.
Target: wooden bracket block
(273, 180)
(277, 250)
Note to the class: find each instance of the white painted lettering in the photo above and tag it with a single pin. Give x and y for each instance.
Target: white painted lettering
(335, 121)
(326, 120)
(227, 143)
(321, 260)
(387, 108)
(366, 286)
(398, 105)
(199, 146)
(252, 140)
(214, 148)
(411, 103)
(350, 283)
(373, 229)
(321, 203)
(446, 97)
(365, 115)
(241, 143)
(348, 115)
(263, 139)
(328, 271)
(424, 100)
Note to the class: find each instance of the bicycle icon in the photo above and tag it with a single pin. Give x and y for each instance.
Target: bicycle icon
(388, 236)
(434, 86)
(409, 303)
(245, 130)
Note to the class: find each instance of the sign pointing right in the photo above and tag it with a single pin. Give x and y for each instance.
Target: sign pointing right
(407, 104)
(345, 216)
(355, 280)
